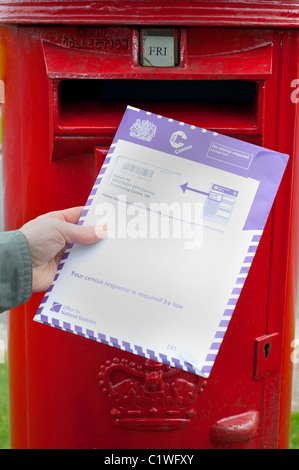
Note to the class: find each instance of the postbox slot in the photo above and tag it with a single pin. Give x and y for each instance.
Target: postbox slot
(89, 107)
(234, 92)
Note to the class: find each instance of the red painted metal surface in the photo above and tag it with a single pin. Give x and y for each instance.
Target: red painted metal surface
(54, 143)
(184, 12)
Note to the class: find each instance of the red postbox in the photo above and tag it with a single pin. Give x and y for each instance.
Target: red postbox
(69, 70)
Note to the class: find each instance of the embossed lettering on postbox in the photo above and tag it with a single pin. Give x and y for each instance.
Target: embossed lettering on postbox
(112, 40)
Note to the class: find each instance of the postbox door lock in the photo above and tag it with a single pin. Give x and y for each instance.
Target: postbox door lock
(159, 47)
(267, 359)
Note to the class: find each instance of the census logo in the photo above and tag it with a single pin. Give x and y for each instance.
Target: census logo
(56, 306)
(143, 130)
(176, 137)
(176, 141)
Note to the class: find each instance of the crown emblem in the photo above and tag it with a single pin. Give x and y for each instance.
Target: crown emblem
(151, 396)
(143, 130)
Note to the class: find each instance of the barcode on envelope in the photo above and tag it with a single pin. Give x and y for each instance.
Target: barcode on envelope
(139, 170)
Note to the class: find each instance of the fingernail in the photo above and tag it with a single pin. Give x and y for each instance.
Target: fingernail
(101, 230)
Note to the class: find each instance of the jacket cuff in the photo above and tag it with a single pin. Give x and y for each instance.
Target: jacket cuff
(15, 270)
(26, 267)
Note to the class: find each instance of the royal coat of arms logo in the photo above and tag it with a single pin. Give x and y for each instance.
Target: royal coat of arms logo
(143, 130)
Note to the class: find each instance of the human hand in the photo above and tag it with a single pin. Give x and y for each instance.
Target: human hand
(48, 236)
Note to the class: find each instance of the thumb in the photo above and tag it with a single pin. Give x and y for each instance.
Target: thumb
(84, 235)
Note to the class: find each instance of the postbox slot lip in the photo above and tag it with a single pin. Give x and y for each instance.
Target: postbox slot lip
(199, 54)
(89, 118)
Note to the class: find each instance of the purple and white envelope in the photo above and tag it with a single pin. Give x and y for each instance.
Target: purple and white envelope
(185, 210)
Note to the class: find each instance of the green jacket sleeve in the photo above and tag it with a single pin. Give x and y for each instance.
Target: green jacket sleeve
(15, 270)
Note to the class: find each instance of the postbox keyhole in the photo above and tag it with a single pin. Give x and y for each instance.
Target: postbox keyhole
(266, 349)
